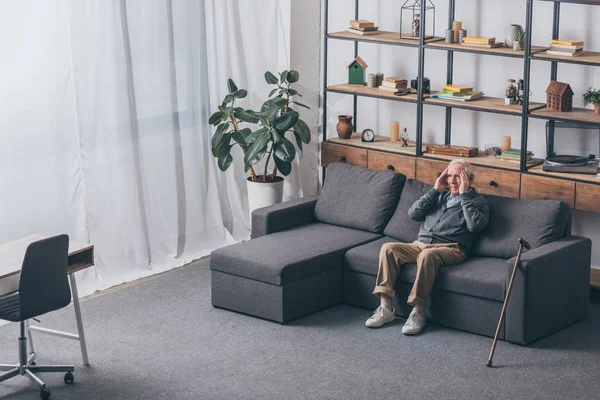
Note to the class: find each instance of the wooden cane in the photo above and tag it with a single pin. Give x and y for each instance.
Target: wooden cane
(522, 243)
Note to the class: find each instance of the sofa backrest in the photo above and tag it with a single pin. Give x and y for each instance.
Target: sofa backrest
(537, 221)
(358, 198)
(400, 226)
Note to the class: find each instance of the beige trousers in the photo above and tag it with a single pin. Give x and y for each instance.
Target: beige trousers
(429, 257)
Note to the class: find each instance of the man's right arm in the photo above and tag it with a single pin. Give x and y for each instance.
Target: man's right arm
(419, 209)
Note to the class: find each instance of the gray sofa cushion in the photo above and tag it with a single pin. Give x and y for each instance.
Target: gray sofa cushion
(358, 198)
(290, 255)
(400, 226)
(537, 221)
(480, 276)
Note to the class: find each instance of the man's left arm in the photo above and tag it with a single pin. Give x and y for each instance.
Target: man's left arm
(476, 211)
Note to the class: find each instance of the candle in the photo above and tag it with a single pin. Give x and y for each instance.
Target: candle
(506, 143)
(456, 26)
(395, 131)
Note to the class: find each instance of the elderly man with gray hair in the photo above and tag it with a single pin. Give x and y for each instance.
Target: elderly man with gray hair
(451, 214)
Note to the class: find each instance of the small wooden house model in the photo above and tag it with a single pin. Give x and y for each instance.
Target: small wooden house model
(356, 71)
(559, 97)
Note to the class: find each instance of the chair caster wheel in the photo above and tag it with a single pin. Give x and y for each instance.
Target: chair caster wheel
(45, 394)
(69, 378)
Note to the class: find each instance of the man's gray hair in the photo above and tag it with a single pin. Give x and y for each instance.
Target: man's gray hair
(466, 165)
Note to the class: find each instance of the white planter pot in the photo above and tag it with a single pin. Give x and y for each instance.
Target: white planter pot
(263, 194)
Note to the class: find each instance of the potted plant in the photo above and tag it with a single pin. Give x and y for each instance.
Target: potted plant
(592, 96)
(518, 43)
(275, 119)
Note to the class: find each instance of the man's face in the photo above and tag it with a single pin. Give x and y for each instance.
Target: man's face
(454, 178)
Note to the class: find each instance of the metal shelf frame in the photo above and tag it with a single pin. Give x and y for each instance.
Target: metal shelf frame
(420, 102)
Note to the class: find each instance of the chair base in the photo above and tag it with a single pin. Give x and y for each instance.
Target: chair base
(30, 370)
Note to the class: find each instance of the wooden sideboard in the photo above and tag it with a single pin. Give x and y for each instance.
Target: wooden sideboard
(492, 176)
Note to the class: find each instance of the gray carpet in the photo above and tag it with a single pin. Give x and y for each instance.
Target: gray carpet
(162, 339)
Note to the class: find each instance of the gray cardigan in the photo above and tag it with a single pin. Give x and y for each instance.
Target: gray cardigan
(456, 224)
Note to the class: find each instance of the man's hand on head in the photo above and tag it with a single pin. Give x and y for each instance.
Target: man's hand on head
(441, 183)
(465, 182)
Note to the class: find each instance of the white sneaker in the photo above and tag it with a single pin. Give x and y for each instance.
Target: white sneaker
(414, 324)
(381, 317)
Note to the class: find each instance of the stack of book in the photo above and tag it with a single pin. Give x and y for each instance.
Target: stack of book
(565, 48)
(481, 42)
(393, 84)
(514, 155)
(362, 27)
(458, 93)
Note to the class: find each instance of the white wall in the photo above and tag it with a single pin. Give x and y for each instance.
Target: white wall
(487, 73)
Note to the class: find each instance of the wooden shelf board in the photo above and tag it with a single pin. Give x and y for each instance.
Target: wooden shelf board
(381, 143)
(595, 278)
(493, 104)
(482, 160)
(498, 51)
(592, 2)
(577, 115)
(372, 92)
(384, 37)
(587, 57)
(565, 175)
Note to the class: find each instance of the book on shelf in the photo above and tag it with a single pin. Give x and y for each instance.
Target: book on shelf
(395, 79)
(563, 47)
(566, 42)
(389, 89)
(466, 96)
(482, 45)
(399, 85)
(363, 33)
(457, 88)
(484, 40)
(564, 53)
(361, 23)
(516, 153)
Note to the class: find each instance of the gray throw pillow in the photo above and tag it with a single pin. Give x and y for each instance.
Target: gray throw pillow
(401, 227)
(537, 221)
(358, 198)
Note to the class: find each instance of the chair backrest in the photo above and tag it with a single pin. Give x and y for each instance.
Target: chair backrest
(44, 286)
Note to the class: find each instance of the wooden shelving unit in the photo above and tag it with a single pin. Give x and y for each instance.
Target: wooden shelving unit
(587, 57)
(567, 176)
(489, 104)
(382, 37)
(381, 143)
(360, 90)
(483, 161)
(498, 51)
(577, 115)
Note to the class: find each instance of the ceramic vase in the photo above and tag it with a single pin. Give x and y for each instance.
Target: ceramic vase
(263, 194)
(344, 126)
(512, 35)
(517, 45)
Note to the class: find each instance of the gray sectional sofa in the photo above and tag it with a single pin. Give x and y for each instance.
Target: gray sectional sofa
(309, 254)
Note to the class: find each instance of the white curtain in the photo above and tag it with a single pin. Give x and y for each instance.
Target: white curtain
(103, 124)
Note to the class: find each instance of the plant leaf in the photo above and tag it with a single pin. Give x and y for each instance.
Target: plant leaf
(270, 78)
(215, 118)
(225, 161)
(293, 92)
(246, 117)
(241, 135)
(293, 76)
(298, 141)
(240, 94)
(285, 150)
(286, 121)
(257, 149)
(231, 86)
(273, 92)
(303, 131)
(252, 137)
(283, 166)
(219, 138)
(283, 76)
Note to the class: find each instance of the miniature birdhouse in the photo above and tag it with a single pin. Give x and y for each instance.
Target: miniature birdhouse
(559, 97)
(356, 71)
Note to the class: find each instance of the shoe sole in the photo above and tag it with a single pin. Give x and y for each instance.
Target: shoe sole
(379, 326)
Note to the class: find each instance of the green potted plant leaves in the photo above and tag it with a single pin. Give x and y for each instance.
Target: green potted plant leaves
(518, 44)
(592, 96)
(271, 123)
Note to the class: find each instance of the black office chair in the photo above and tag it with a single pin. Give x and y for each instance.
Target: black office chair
(43, 287)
